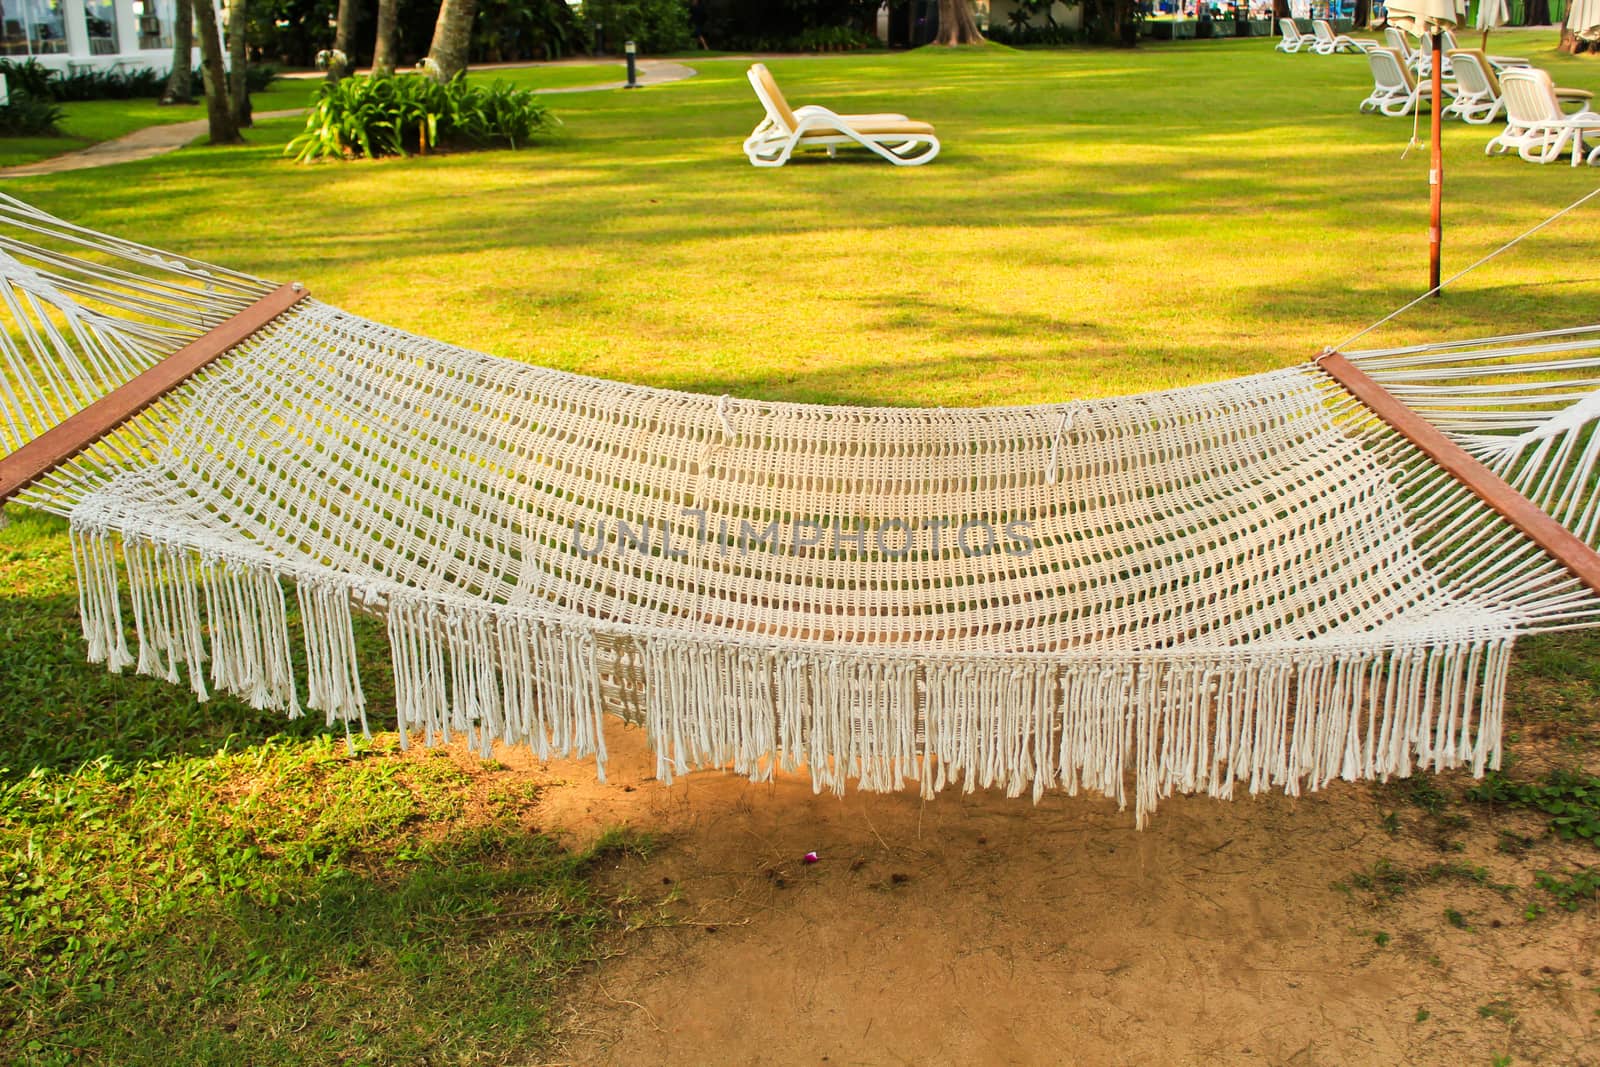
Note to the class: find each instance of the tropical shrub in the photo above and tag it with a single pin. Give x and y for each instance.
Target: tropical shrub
(372, 117)
(42, 83)
(653, 25)
(30, 77)
(108, 85)
(27, 115)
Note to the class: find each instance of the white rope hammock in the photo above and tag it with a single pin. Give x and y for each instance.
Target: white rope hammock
(1252, 583)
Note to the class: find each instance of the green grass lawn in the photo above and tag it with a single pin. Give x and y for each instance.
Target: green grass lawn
(192, 882)
(88, 122)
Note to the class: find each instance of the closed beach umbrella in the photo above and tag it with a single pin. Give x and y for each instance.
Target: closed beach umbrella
(1583, 19)
(1426, 18)
(1492, 13)
(1422, 17)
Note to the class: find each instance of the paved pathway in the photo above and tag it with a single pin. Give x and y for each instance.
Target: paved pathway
(155, 141)
(140, 144)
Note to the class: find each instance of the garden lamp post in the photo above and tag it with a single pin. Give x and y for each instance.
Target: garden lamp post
(631, 51)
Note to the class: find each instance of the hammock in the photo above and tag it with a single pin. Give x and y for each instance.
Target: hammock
(1258, 582)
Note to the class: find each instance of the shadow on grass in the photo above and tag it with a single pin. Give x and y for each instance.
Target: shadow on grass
(449, 948)
(58, 711)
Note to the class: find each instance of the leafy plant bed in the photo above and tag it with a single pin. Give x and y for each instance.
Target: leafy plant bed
(372, 117)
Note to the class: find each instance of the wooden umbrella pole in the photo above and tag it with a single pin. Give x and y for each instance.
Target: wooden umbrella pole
(1436, 168)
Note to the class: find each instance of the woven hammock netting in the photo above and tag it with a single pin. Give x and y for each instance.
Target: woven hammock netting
(1250, 584)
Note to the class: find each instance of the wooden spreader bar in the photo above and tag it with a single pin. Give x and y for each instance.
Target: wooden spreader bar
(1565, 546)
(77, 432)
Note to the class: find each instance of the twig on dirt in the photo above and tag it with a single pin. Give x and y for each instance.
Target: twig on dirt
(633, 1003)
(875, 833)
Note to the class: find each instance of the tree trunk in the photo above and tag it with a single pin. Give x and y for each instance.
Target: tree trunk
(1363, 14)
(1572, 45)
(179, 90)
(239, 60)
(452, 36)
(1536, 13)
(384, 52)
(956, 24)
(344, 32)
(219, 116)
(343, 59)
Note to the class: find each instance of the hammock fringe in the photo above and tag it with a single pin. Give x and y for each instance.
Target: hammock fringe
(1178, 724)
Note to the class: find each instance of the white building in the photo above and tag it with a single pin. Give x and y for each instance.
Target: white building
(73, 35)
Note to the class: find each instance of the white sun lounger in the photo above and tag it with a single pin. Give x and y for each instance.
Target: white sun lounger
(1535, 124)
(900, 140)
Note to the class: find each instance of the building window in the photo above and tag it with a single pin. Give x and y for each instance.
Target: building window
(33, 27)
(101, 16)
(156, 18)
(13, 29)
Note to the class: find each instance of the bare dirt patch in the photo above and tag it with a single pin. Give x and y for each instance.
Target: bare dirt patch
(1357, 925)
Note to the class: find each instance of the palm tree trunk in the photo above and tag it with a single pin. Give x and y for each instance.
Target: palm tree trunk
(452, 36)
(343, 60)
(956, 24)
(179, 90)
(239, 60)
(219, 116)
(384, 52)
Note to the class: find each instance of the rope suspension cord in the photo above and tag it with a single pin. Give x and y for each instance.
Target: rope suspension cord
(1584, 199)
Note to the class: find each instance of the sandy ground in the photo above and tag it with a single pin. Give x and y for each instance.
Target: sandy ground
(978, 929)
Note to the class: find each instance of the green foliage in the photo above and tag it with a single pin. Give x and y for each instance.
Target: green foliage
(375, 117)
(793, 25)
(1571, 888)
(94, 84)
(1387, 880)
(834, 39)
(1024, 34)
(45, 83)
(653, 25)
(27, 115)
(1571, 799)
(29, 76)
(257, 78)
(524, 29)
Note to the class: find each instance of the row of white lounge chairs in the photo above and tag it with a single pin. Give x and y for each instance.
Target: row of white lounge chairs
(1485, 88)
(1482, 89)
(1321, 41)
